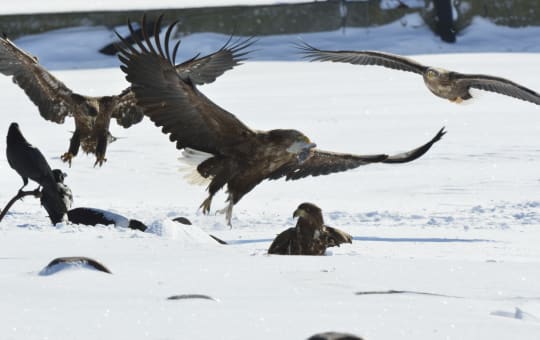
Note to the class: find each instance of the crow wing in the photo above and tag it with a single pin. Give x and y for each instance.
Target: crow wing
(389, 60)
(496, 84)
(325, 162)
(176, 105)
(54, 100)
(206, 69)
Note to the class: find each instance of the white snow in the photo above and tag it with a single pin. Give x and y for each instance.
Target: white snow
(461, 221)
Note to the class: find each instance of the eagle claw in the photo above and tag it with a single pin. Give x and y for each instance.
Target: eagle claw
(100, 160)
(67, 157)
(206, 205)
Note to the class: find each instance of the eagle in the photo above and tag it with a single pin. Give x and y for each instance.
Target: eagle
(92, 115)
(310, 236)
(237, 156)
(30, 163)
(446, 84)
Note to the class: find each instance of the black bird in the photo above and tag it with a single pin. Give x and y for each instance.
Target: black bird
(27, 160)
(30, 163)
(446, 84)
(57, 208)
(237, 156)
(310, 236)
(93, 115)
(93, 216)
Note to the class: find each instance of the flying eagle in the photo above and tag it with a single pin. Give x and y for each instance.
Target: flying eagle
(30, 163)
(239, 157)
(310, 236)
(92, 115)
(446, 84)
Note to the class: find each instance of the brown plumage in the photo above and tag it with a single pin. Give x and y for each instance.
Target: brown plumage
(446, 84)
(92, 115)
(237, 156)
(310, 236)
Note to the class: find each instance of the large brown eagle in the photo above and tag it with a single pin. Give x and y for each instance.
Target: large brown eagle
(446, 84)
(310, 236)
(92, 115)
(239, 157)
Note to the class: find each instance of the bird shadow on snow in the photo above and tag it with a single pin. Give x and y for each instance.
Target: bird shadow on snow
(419, 239)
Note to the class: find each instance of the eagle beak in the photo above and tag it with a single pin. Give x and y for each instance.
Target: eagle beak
(305, 153)
(299, 213)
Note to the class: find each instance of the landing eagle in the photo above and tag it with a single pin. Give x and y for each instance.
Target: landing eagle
(240, 157)
(92, 115)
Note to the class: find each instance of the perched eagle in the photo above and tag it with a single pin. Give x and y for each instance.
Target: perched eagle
(239, 157)
(92, 115)
(450, 85)
(310, 236)
(57, 208)
(30, 163)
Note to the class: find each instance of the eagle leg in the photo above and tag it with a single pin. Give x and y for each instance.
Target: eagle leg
(74, 145)
(206, 204)
(228, 212)
(101, 148)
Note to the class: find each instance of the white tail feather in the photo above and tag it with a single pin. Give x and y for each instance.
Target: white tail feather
(191, 159)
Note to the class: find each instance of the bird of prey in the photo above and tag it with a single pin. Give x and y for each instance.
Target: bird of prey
(30, 163)
(446, 84)
(49, 199)
(93, 216)
(310, 236)
(238, 156)
(92, 115)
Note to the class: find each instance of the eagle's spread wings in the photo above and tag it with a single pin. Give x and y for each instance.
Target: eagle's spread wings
(125, 109)
(363, 58)
(496, 84)
(324, 162)
(51, 96)
(177, 106)
(206, 69)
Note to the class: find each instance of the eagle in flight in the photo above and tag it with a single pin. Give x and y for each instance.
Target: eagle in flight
(446, 84)
(238, 156)
(92, 115)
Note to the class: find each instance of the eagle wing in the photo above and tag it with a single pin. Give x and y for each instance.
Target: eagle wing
(125, 109)
(206, 69)
(174, 104)
(54, 100)
(389, 60)
(325, 162)
(337, 237)
(283, 242)
(496, 84)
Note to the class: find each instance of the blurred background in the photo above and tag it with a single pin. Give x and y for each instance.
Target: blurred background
(399, 26)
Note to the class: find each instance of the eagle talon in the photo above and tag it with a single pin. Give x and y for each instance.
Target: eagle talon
(67, 157)
(206, 205)
(100, 160)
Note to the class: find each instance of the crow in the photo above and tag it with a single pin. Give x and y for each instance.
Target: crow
(58, 200)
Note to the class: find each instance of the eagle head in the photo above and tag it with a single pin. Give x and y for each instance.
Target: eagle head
(309, 212)
(299, 145)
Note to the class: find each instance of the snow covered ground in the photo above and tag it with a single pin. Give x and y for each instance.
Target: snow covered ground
(463, 221)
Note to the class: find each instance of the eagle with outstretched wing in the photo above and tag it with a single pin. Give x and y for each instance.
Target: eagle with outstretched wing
(446, 84)
(92, 115)
(237, 156)
(310, 236)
